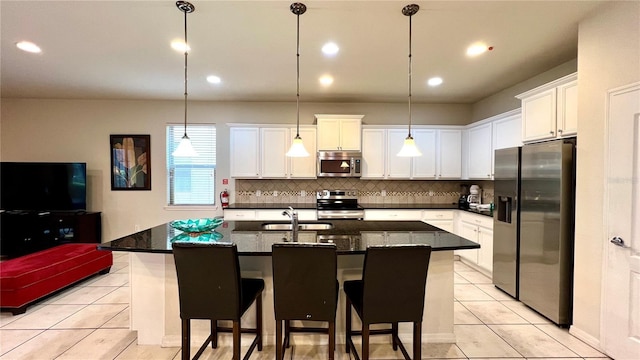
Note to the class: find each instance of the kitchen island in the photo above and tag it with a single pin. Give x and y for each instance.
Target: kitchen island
(154, 310)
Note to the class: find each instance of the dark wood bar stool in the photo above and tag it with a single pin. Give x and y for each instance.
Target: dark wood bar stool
(391, 291)
(304, 288)
(211, 288)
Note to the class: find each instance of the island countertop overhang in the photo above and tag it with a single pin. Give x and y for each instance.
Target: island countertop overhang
(350, 236)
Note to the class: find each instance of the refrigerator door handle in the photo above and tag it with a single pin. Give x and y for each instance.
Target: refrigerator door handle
(618, 242)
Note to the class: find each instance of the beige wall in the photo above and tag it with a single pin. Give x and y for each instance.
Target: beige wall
(608, 57)
(78, 130)
(505, 100)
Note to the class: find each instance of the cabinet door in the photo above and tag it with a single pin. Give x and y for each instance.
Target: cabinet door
(539, 116)
(450, 154)
(507, 132)
(274, 145)
(568, 109)
(397, 167)
(485, 254)
(244, 147)
(480, 154)
(424, 167)
(328, 134)
(350, 134)
(304, 167)
(469, 232)
(373, 153)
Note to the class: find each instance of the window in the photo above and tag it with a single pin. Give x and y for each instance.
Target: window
(192, 180)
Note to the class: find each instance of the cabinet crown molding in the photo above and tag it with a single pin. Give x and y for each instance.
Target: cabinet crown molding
(550, 85)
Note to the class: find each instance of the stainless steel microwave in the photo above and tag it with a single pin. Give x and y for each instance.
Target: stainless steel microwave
(339, 164)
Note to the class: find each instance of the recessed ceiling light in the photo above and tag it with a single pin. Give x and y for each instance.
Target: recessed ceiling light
(326, 80)
(330, 49)
(434, 81)
(29, 47)
(477, 49)
(179, 45)
(214, 79)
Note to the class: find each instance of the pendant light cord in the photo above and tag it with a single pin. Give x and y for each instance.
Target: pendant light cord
(298, 77)
(186, 52)
(410, 16)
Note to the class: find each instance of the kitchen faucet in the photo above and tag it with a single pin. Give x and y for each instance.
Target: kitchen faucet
(291, 213)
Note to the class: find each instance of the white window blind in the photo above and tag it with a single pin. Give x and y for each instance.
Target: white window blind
(192, 179)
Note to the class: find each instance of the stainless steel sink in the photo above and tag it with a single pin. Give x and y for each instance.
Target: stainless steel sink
(304, 226)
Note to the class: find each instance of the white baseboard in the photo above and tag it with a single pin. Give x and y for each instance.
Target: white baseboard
(584, 336)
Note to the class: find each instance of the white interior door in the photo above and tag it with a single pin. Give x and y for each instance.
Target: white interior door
(621, 274)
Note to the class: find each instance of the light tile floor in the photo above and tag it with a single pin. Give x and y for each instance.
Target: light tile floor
(90, 321)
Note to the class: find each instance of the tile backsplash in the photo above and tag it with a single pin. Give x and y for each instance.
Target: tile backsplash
(369, 191)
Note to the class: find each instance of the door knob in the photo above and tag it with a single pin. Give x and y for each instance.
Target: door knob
(618, 241)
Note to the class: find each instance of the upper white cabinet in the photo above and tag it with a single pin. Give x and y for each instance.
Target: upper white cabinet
(260, 152)
(245, 152)
(441, 153)
(507, 130)
(480, 151)
(550, 111)
(339, 132)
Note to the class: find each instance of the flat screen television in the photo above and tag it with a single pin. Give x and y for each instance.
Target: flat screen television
(43, 186)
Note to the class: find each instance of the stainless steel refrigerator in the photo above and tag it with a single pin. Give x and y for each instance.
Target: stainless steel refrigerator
(506, 220)
(547, 220)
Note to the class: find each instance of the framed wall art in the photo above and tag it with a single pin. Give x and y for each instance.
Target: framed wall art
(130, 162)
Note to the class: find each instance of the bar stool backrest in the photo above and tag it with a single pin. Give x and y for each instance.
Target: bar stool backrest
(304, 281)
(394, 279)
(208, 280)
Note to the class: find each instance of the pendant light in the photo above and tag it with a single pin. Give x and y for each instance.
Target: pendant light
(185, 149)
(409, 149)
(297, 147)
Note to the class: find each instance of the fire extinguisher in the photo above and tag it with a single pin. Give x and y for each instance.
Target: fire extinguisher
(224, 198)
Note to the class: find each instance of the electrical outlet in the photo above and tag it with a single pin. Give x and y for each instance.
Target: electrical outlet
(383, 192)
(303, 193)
(258, 193)
(275, 193)
(136, 227)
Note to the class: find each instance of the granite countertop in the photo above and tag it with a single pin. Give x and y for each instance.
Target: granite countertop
(350, 236)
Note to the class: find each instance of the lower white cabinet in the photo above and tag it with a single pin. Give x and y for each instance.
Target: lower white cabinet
(392, 215)
(267, 215)
(479, 229)
(442, 219)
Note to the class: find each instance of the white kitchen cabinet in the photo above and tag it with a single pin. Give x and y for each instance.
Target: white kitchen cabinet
(397, 167)
(374, 154)
(392, 215)
(260, 152)
(550, 111)
(339, 132)
(480, 152)
(274, 144)
(245, 152)
(303, 167)
(507, 130)
(267, 215)
(425, 166)
(449, 154)
(479, 229)
(442, 219)
(567, 120)
(441, 153)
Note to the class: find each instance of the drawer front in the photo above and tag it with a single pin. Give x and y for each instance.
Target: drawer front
(239, 215)
(276, 215)
(480, 220)
(393, 215)
(437, 214)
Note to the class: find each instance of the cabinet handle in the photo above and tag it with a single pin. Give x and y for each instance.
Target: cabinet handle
(551, 132)
(560, 131)
(488, 175)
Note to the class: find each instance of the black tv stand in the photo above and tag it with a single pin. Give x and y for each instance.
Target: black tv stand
(25, 232)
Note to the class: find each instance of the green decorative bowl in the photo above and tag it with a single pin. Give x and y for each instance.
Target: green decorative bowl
(196, 226)
(205, 237)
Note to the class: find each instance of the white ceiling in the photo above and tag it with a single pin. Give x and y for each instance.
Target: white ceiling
(121, 50)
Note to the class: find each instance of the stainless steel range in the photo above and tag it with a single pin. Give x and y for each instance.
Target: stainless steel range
(338, 204)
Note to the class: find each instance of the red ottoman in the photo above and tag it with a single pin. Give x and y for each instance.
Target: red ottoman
(25, 279)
